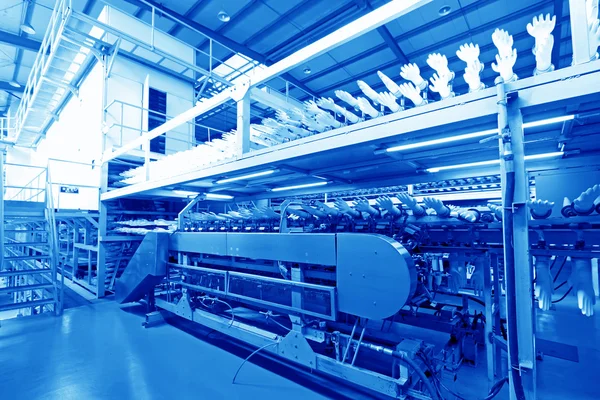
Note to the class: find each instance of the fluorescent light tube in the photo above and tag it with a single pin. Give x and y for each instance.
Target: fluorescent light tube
(493, 162)
(307, 185)
(548, 121)
(248, 176)
(544, 155)
(185, 193)
(215, 196)
(442, 140)
(474, 135)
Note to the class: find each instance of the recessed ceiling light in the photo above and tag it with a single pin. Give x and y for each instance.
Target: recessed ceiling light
(307, 70)
(444, 10)
(223, 16)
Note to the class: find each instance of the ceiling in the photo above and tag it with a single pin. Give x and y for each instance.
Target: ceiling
(270, 30)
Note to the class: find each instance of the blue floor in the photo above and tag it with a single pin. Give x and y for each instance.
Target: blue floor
(101, 351)
(98, 351)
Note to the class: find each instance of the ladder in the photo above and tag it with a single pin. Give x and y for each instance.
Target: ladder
(29, 284)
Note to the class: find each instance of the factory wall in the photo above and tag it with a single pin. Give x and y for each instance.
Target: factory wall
(74, 139)
(130, 81)
(127, 97)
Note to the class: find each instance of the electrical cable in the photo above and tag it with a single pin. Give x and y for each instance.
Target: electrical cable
(560, 270)
(564, 296)
(281, 325)
(493, 392)
(219, 301)
(247, 358)
(561, 285)
(553, 263)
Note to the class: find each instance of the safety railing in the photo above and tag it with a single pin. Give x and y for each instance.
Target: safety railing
(7, 129)
(117, 111)
(56, 25)
(74, 185)
(53, 243)
(25, 182)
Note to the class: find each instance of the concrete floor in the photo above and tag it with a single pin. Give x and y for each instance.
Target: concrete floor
(101, 351)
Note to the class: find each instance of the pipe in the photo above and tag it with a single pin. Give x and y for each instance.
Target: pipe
(507, 222)
(404, 357)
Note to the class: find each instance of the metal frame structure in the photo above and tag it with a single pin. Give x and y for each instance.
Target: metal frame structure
(553, 89)
(549, 91)
(28, 260)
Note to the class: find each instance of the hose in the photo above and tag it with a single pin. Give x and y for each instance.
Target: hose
(430, 388)
(251, 354)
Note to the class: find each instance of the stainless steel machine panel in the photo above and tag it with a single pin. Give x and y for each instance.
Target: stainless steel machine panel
(307, 248)
(208, 243)
(375, 275)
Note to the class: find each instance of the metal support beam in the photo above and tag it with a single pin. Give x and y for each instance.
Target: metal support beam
(243, 124)
(386, 35)
(354, 29)
(20, 42)
(558, 12)
(373, 20)
(148, 4)
(2, 153)
(274, 99)
(579, 32)
(7, 87)
(522, 259)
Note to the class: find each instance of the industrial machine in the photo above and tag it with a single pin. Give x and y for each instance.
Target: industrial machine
(330, 288)
(332, 282)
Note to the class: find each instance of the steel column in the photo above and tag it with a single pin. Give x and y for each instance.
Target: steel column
(489, 317)
(243, 124)
(579, 32)
(2, 154)
(522, 259)
(103, 211)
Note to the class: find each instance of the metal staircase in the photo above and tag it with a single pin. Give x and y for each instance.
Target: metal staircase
(29, 283)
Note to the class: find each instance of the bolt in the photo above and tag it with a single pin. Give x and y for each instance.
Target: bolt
(363, 275)
(374, 303)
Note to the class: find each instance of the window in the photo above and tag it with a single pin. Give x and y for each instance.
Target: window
(157, 116)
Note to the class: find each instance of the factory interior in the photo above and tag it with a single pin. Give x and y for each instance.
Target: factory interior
(302, 199)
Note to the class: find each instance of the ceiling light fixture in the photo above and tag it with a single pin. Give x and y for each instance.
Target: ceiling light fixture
(442, 140)
(14, 84)
(474, 135)
(493, 162)
(223, 16)
(215, 196)
(27, 28)
(185, 193)
(245, 177)
(548, 121)
(444, 10)
(307, 70)
(306, 185)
